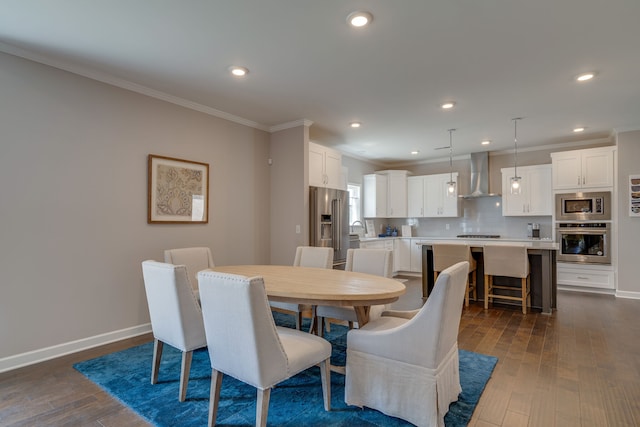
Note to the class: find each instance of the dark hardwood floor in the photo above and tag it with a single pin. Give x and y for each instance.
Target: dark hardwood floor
(577, 367)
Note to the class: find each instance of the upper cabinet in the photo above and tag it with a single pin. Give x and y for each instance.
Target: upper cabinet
(415, 196)
(375, 195)
(437, 200)
(325, 167)
(428, 196)
(385, 194)
(578, 169)
(535, 197)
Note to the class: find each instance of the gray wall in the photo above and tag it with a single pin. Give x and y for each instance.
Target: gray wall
(290, 193)
(628, 227)
(73, 216)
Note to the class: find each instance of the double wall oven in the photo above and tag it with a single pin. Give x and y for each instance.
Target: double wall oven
(583, 227)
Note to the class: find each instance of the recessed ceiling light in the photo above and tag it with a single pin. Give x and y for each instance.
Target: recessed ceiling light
(359, 19)
(448, 105)
(485, 142)
(579, 129)
(414, 152)
(586, 76)
(355, 124)
(238, 71)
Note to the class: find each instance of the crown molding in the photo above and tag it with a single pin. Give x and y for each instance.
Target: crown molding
(291, 125)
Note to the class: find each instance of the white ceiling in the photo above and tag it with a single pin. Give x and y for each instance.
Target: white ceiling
(497, 59)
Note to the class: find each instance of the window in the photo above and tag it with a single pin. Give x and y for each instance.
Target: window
(354, 203)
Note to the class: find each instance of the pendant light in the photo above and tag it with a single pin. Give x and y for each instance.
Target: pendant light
(451, 185)
(516, 181)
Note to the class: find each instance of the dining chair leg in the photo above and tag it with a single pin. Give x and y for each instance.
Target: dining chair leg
(157, 355)
(184, 374)
(214, 396)
(325, 377)
(262, 407)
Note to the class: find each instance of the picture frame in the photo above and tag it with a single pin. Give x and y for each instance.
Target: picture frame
(178, 191)
(634, 195)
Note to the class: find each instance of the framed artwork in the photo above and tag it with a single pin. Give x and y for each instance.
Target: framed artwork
(634, 195)
(178, 191)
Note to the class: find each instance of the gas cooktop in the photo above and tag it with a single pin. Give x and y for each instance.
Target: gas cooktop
(478, 236)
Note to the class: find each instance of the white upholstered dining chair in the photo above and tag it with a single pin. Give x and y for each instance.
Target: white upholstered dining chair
(245, 343)
(306, 256)
(195, 259)
(371, 261)
(175, 314)
(407, 366)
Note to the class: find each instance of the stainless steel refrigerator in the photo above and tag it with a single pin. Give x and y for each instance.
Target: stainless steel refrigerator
(329, 221)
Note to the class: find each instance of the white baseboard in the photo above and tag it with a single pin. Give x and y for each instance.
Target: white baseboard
(47, 353)
(628, 294)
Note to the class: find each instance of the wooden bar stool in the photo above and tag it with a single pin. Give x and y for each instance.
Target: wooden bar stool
(506, 261)
(447, 254)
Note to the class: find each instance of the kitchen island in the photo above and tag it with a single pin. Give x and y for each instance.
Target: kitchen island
(542, 258)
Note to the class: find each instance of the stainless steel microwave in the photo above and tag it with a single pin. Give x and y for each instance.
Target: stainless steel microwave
(583, 206)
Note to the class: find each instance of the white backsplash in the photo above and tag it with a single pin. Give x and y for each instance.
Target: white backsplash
(481, 215)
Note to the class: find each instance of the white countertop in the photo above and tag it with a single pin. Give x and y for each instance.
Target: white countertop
(531, 243)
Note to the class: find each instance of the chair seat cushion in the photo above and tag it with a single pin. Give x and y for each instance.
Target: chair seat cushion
(303, 349)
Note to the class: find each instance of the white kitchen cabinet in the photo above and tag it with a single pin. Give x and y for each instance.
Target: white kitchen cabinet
(397, 194)
(437, 202)
(584, 275)
(402, 254)
(382, 243)
(325, 167)
(427, 196)
(415, 196)
(577, 169)
(535, 198)
(416, 256)
(375, 195)
(385, 194)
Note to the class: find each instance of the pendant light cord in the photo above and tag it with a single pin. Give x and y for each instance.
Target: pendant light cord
(515, 141)
(451, 155)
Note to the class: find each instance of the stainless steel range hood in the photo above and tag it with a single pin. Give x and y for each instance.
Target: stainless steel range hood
(479, 176)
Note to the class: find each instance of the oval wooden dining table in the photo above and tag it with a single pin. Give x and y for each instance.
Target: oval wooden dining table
(320, 286)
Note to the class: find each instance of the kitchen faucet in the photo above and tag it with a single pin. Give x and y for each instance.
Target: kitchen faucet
(356, 222)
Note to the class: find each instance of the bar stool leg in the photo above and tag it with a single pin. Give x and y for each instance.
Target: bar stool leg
(466, 294)
(523, 286)
(487, 288)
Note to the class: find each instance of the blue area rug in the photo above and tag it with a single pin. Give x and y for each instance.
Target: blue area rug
(297, 401)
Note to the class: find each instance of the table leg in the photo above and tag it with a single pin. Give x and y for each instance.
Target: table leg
(362, 314)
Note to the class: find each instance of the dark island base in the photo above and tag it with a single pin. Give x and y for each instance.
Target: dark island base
(543, 277)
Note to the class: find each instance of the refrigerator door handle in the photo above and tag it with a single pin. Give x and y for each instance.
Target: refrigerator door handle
(337, 224)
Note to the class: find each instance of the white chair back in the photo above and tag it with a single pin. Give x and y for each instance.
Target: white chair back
(447, 254)
(506, 260)
(175, 314)
(195, 259)
(370, 261)
(427, 338)
(311, 256)
(241, 334)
